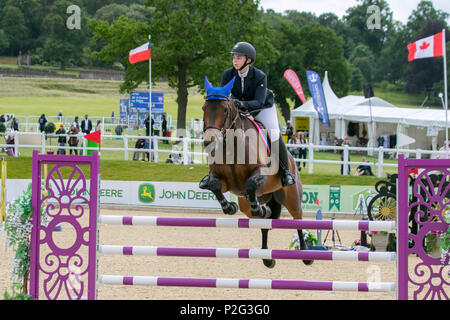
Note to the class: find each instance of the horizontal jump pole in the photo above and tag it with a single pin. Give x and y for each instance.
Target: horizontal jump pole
(247, 283)
(248, 253)
(248, 223)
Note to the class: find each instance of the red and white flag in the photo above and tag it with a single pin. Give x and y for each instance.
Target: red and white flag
(141, 53)
(427, 47)
(293, 80)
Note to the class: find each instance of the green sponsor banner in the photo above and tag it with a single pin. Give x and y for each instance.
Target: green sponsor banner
(338, 199)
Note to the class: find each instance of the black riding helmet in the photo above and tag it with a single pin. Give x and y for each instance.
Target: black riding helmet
(245, 49)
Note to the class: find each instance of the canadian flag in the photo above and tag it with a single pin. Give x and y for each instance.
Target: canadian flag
(141, 53)
(427, 47)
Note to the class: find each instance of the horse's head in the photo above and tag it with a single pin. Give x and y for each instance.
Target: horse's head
(218, 111)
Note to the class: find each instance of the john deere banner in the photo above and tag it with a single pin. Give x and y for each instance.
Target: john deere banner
(338, 199)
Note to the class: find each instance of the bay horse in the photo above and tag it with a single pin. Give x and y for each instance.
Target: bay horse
(242, 165)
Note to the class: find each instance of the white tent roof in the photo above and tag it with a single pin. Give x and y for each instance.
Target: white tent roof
(357, 109)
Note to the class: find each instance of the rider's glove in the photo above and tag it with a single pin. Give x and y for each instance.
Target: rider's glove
(239, 104)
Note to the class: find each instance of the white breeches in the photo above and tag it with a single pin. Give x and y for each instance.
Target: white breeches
(269, 118)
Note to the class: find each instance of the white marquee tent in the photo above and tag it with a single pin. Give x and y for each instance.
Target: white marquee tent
(426, 126)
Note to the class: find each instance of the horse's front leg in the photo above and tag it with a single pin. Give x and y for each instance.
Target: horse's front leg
(254, 186)
(215, 187)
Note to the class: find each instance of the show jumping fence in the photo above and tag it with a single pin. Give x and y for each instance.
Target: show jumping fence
(71, 271)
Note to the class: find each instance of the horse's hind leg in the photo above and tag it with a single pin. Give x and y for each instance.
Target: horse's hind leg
(290, 197)
(215, 187)
(269, 263)
(245, 207)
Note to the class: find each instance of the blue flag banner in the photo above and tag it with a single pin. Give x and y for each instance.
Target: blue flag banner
(316, 90)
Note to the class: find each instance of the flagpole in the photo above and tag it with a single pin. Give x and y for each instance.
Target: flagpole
(150, 101)
(445, 90)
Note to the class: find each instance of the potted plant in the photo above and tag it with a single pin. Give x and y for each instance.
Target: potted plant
(310, 240)
(18, 231)
(380, 240)
(432, 244)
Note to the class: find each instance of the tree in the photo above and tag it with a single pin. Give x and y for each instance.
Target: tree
(4, 42)
(358, 79)
(362, 58)
(190, 39)
(285, 37)
(63, 44)
(394, 56)
(424, 13)
(357, 19)
(33, 14)
(111, 12)
(324, 52)
(13, 24)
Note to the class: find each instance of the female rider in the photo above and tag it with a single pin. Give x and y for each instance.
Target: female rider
(250, 94)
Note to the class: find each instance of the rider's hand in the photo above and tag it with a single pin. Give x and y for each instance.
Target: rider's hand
(239, 104)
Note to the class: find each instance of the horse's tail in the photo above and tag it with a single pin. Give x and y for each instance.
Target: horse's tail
(275, 207)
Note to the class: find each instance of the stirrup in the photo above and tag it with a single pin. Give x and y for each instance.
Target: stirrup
(287, 179)
(205, 182)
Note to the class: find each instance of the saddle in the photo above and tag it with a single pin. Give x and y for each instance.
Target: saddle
(261, 131)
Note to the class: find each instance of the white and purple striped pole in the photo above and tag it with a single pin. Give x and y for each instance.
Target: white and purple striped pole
(248, 253)
(247, 283)
(248, 223)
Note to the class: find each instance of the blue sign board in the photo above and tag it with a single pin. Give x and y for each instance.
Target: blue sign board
(140, 101)
(316, 91)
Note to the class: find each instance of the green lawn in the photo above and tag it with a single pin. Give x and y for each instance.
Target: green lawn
(113, 169)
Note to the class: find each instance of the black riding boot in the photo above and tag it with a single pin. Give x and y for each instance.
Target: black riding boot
(205, 182)
(287, 178)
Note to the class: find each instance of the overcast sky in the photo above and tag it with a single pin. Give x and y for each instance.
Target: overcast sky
(401, 8)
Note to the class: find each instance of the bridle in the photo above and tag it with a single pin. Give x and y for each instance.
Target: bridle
(233, 122)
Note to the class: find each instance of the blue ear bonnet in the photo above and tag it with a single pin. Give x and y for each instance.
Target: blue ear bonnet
(224, 91)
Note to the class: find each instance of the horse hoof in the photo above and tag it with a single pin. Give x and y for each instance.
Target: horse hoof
(258, 213)
(232, 208)
(308, 262)
(269, 263)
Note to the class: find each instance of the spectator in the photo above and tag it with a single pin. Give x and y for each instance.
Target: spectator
(61, 139)
(98, 126)
(340, 143)
(10, 140)
(444, 148)
(86, 125)
(73, 141)
(140, 144)
(289, 130)
(113, 117)
(164, 128)
(42, 121)
(14, 124)
(76, 123)
(293, 150)
(149, 132)
(118, 130)
(364, 170)
(2, 118)
(60, 116)
(303, 151)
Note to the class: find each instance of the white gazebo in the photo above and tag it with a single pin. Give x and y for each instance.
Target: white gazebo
(426, 126)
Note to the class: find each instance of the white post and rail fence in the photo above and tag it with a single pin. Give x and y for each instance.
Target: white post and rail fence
(187, 149)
